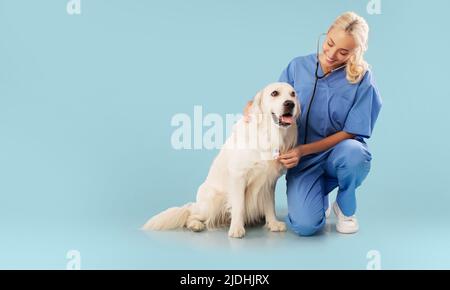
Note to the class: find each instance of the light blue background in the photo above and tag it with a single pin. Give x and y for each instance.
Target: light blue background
(85, 109)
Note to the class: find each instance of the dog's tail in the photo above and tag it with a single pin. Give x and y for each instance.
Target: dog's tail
(170, 219)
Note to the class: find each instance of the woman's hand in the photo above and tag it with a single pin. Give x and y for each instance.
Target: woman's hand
(291, 158)
(247, 111)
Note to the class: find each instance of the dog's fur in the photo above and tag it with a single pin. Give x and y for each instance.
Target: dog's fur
(240, 186)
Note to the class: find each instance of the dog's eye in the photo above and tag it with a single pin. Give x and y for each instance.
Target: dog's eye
(293, 94)
(275, 94)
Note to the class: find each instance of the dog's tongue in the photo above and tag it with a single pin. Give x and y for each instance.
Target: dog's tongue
(287, 119)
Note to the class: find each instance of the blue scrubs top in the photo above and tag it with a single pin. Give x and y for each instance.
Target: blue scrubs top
(338, 105)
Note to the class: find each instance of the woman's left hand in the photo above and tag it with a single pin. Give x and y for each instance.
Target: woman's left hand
(291, 158)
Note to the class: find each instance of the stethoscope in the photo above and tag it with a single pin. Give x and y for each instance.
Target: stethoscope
(315, 85)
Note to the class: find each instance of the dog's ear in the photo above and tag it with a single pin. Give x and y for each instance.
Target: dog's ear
(299, 111)
(256, 109)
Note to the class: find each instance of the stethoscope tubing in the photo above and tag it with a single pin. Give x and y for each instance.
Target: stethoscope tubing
(317, 78)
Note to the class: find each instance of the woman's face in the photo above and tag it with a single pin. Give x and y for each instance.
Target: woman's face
(337, 48)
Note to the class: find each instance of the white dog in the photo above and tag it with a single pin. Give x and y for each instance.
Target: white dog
(240, 186)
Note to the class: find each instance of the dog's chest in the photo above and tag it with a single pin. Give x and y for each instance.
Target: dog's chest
(265, 170)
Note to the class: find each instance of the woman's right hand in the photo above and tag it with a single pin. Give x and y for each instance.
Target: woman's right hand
(247, 111)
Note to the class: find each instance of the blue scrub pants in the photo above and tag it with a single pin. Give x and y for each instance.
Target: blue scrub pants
(346, 166)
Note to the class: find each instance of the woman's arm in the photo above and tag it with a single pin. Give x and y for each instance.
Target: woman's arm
(325, 143)
(291, 158)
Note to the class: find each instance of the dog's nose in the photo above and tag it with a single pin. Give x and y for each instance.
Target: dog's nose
(289, 105)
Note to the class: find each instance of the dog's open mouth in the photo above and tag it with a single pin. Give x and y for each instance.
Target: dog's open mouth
(284, 120)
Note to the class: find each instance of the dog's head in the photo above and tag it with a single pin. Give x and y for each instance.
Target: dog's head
(280, 102)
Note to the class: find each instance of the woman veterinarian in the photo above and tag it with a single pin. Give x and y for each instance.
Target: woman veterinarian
(340, 104)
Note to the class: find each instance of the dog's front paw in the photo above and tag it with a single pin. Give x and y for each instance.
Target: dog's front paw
(236, 231)
(195, 226)
(276, 226)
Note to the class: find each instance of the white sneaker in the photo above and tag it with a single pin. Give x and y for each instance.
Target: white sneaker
(345, 224)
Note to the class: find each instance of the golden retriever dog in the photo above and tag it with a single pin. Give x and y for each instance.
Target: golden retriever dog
(240, 187)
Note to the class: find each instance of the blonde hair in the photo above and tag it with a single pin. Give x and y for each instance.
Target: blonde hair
(357, 27)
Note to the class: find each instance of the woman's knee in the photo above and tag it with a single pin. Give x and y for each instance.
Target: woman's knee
(352, 155)
(306, 226)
